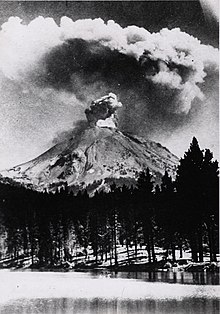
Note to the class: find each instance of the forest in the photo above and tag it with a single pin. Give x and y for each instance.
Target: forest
(179, 214)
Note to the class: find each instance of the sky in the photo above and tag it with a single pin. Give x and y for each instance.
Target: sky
(160, 58)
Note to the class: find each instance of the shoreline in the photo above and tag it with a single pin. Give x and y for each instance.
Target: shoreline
(209, 267)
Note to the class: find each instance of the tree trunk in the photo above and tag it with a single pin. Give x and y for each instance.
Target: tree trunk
(181, 249)
(32, 255)
(193, 245)
(147, 241)
(200, 242)
(110, 253)
(173, 251)
(115, 244)
(14, 253)
(102, 253)
(135, 240)
(149, 249)
(32, 250)
(152, 241)
(25, 240)
(96, 255)
(152, 248)
(127, 247)
(135, 247)
(214, 249)
(211, 244)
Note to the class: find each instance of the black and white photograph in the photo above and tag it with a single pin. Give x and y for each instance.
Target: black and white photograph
(109, 157)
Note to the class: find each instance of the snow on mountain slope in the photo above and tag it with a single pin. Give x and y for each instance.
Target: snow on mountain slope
(99, 152)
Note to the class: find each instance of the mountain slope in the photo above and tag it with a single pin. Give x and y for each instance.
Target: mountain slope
(99, 152)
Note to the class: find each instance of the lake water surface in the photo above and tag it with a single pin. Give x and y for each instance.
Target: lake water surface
(101, 292)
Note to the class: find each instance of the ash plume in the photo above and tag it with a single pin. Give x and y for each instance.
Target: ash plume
(160, 77)
(170, 58)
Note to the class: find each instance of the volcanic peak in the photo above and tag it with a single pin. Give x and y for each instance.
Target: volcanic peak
(98, 153)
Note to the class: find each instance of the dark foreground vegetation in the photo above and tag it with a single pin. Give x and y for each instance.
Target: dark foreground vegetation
(55, 229)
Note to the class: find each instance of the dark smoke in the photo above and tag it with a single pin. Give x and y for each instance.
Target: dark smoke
(91, 70)
(162, 79)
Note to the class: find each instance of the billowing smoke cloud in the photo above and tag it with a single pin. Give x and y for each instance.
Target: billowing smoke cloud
(211, 9)
(170, 58)
(102, 112)
(159, 77)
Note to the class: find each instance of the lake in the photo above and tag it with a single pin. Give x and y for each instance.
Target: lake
(101, 292)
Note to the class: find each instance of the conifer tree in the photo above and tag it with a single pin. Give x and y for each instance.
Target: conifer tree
(197, 184)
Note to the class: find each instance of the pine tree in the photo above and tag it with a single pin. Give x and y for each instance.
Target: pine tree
(210, 201)
(197, 183)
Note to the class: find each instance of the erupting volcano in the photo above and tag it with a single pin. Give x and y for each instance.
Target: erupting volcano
(98, 155)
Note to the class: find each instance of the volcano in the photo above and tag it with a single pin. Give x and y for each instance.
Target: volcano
(99, 155)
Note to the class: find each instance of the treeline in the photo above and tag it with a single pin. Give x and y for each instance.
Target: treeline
(175, 215)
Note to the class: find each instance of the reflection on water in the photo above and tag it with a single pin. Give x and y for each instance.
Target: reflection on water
(105, 292)
(103, 306)
(195, 278)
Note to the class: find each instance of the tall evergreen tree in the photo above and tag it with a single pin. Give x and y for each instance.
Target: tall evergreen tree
(195, 195)
(210, 201)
